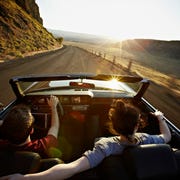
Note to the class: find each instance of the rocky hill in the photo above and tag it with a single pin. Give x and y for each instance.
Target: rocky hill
(21, 29)
(31, 8)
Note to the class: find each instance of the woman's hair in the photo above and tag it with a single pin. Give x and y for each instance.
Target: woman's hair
(124, 118)
(17, 124)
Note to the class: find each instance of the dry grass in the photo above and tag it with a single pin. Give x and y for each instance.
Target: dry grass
(159, 78)
(169, 81)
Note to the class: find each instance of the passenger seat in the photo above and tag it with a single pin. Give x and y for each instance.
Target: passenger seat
(18, 162)
(151, 162)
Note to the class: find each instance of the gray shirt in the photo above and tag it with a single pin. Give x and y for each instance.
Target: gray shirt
(107, 146)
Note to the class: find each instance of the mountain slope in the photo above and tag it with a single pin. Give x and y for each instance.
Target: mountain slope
(20, 33)
(170, 49)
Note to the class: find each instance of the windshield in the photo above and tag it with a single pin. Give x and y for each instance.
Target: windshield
(113, 84)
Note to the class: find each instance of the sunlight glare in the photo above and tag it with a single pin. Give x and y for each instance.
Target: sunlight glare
(114, 83)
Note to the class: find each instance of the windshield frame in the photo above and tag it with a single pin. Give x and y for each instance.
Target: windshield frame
(102, 81)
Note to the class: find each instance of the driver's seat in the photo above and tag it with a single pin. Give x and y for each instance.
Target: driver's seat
(19, 162)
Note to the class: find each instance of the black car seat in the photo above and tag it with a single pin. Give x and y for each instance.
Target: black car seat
(177, 157)
(151, 162)
(19, 162)
(112, 167)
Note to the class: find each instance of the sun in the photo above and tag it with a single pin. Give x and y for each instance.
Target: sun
(114, 84)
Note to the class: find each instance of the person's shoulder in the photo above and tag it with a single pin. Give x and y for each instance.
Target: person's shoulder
(141, 137)
(43, 142)
(144, 138)
(101, 139)
(47, 138)
(50, 140)
(106, 141)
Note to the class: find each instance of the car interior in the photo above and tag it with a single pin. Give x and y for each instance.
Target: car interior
(83, 120)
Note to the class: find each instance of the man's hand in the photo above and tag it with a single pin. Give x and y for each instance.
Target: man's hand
(53, 101)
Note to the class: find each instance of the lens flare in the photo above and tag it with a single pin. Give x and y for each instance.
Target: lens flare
(114, 83)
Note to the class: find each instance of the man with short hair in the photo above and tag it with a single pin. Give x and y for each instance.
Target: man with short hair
(18, 126)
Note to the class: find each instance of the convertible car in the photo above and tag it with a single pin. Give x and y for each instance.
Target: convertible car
(84, 103)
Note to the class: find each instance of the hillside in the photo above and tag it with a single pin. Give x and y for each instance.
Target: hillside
(163, 56)
(170, 49)
(21, 29)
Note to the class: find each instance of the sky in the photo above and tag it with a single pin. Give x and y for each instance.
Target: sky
(121, 19)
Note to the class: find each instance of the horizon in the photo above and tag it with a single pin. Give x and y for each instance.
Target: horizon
(139, 19)
(111, 38)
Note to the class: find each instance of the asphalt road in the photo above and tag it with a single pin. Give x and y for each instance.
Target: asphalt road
(72, 59)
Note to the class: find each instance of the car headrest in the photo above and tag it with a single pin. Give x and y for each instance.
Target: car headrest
(112, 167)
(19, 162)
(150, 161)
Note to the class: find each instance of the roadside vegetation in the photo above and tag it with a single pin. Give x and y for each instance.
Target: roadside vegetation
(21, 34)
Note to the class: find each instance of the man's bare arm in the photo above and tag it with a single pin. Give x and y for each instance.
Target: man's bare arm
(54, 129)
